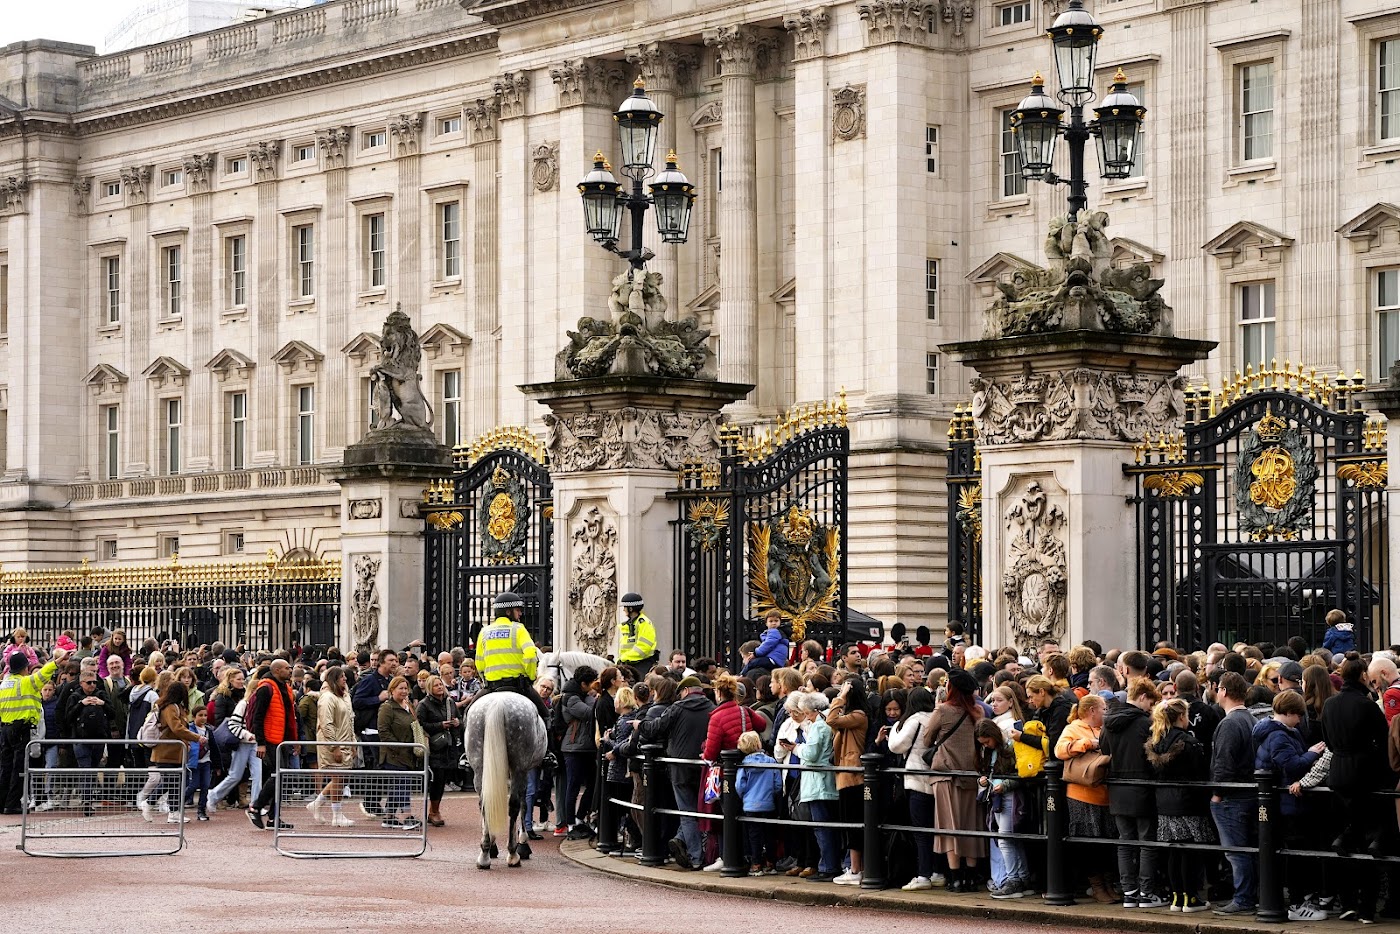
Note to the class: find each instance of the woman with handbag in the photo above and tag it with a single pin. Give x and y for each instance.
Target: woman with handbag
(1085, 770)
(396, 722)
(335, 723)
(950, 732)
(907, 737)
(437, 715)
(1134, 807)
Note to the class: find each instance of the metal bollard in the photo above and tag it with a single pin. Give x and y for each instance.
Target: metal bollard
(1056, 851)
(653, 848)
(1271, 907)
(873, 876)
(732, 807)
(607, 819)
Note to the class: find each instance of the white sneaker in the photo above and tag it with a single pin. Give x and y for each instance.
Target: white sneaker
(177, 819)
(146, 811)
(163, 806)
(39, 808)
(847, 878)
(1307, 911)
(340, 820)
(937, 879)
(917, 884)
(716, 866)
(314, 806)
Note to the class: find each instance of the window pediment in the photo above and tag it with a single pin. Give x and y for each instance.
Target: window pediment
(443, 339)
(363, 346)
(166, 370)
(105, 378)
(1245, 242)
(229, 362)
(297, 357)
(1127, 251)
(1366, 230)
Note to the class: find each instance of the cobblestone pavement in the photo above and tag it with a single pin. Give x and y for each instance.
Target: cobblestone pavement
(229, 878)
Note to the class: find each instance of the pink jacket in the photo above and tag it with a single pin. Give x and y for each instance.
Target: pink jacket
(14, 647)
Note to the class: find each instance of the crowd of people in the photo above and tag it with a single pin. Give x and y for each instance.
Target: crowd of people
(1158, 745)
(118, 705)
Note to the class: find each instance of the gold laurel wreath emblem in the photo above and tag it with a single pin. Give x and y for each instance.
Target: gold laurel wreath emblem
(822, 608)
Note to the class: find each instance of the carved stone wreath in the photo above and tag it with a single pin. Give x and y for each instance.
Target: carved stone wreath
(545, 170)
(630, 437)
(848, 112)
(1275, 481)
(502, 518)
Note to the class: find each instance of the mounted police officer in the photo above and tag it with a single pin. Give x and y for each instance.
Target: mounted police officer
(638, 637)
(505, 653)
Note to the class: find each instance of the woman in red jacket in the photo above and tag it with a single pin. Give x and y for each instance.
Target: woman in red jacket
(727, 722)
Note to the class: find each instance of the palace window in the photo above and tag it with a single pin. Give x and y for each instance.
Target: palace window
(237, 262)
(375, 256)
(451, 407)
(170, 262)
(237, 453)
(1388, 89)
(1386, 298)
(450, 239)
(1256, 110)
(1255, 303)
(173, 423)
(304, 236)
(111, 442)
(306, 424)
(1012, 183)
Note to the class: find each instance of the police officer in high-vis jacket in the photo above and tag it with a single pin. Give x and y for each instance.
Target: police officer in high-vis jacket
(638, 637)
(505, 653)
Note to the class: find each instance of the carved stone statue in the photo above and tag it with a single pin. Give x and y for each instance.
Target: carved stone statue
(1080, 289)
(593, 582)
(1036, 569)
(396, 393)
(364, 603)
(638, 339)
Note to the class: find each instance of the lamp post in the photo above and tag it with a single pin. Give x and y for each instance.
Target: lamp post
(605, 199)
(1037, 124)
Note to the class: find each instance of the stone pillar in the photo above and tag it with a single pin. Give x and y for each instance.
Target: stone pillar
(1386, 400)
(737, 322)
(615, 444)
(381, 540)
(1065, 387)
(483, 116)
(665, 68)
(406, 132)
(206, 305)
(812, 164)
(142, 457)
(525, 313)
(340, 258)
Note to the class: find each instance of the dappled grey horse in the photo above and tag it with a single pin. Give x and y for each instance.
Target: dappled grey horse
(505, 740)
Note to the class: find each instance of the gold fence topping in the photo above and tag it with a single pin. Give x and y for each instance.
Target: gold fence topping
(506, 437)
(268, 570)
(1339, 392)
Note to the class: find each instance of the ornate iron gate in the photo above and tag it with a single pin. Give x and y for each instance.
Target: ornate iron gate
(1265, 513)
(964, 479)
(764, 528)
(489, 529)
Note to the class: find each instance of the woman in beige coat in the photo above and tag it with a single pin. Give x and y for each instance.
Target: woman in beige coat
(335, 723)
(955, 806)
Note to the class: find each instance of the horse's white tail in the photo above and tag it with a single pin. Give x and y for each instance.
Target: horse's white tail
(495, 785)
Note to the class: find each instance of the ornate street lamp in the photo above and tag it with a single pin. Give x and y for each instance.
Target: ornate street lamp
(604, 199)
(1037, 121)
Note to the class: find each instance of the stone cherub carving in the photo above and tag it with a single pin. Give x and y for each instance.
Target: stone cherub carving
(638, 338)
(1080, 289)
(395, 382)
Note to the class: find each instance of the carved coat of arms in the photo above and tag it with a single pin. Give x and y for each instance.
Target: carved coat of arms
(1275, 481)
(1036, 569)
(502, 518)
(795, 566)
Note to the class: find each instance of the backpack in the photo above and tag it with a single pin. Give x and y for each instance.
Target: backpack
(140, 706)
(149, 733)
(558, 726)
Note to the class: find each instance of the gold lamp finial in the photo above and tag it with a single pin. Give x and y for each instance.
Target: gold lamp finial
(1037, 78)
(1119, 76)
(598, 156)
(639, 83)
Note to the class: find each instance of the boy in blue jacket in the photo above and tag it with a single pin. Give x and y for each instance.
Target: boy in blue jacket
(761, 790)
(773, 648)
(1340, 637)
(1279, 748)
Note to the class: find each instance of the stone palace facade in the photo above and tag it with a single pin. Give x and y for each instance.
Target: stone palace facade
(200, 239)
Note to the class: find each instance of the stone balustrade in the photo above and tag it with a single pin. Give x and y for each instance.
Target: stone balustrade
(233, 481)
(221, 55)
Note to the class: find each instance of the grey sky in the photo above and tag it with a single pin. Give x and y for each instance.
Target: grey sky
(84, 21)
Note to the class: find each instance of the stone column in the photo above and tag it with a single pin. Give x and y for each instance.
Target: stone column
(406, 133)
(665, 68)
(1065, 388)
(482, 116)
(527, 310)
(737, 322)
(136, 312)
(206, 305)
(615, 445)
(812, 165)
(1386, 400)
(340, 258)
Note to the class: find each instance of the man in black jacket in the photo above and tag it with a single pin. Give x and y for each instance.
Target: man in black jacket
(1232, 761)
(1356, 734)
(683, 728)
(1201, 717)
(87, 716)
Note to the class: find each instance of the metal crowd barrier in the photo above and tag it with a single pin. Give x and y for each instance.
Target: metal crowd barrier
(91, 809)
(1050, 802)
(381, 812)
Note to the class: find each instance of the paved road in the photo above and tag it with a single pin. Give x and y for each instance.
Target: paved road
(229, 878)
